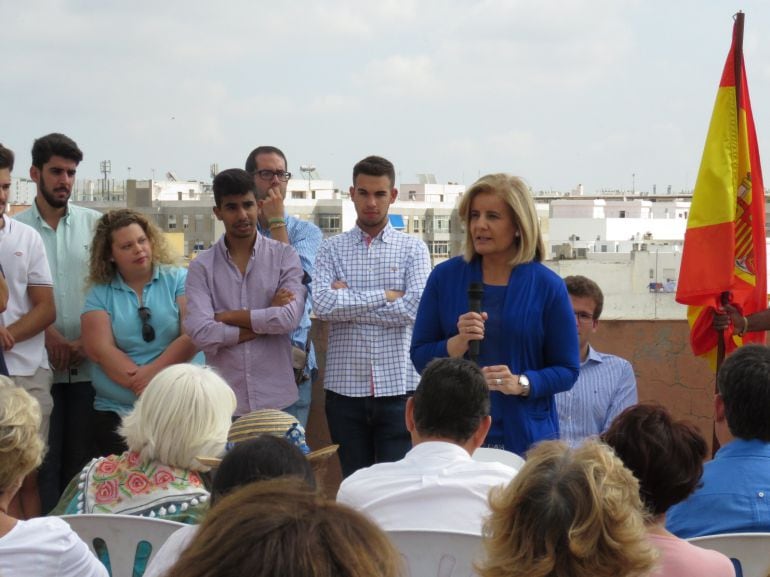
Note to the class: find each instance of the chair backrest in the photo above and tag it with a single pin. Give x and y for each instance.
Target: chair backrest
(751, 550)
(498, 455)
(437, 553)
(127, 541)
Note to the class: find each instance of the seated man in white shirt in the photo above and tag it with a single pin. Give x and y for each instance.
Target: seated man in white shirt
(437, 485)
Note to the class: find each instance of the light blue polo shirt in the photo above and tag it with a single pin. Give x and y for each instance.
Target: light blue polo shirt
(67, 249)
(121, 303)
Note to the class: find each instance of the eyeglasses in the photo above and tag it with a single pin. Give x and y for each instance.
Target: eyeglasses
(281, 175)
(584, 318)
(148, 333)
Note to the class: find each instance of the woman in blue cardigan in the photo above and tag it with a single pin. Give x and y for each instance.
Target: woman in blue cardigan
(528, 341)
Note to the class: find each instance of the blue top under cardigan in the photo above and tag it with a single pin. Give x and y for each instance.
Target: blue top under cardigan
(542, 343)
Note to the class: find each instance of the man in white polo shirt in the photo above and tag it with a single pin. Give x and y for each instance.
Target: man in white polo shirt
(437, 485)
(30, 310)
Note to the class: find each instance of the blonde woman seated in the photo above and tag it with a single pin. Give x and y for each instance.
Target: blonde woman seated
(568, 513)
(281, 528)
(44, 545)
(184, 412)
(667, 458)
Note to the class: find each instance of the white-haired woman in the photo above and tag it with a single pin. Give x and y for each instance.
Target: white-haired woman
(41, 546)
(184, 412)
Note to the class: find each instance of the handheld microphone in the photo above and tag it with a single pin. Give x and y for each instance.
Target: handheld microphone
(475, 292)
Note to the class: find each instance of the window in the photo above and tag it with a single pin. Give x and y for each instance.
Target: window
(416, 225)
(329, 223)
(622, 214)
(440, 224)
(439, 248)
(172, 222)
(185, 221)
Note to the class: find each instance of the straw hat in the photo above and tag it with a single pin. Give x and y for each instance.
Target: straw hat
(270, 422)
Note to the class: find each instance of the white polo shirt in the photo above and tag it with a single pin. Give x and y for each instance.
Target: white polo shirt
(437, 486)
(24, 261)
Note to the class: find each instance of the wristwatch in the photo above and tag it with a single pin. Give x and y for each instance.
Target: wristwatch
(524, 382)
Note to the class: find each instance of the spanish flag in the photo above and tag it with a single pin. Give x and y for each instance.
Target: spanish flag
(724, 246)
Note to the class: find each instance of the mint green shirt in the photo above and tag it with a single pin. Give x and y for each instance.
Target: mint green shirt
(67, 249)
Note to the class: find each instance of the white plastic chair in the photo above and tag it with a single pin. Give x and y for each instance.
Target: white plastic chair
(123, 536)
(751, 550)
(489, 454)
(437, 553)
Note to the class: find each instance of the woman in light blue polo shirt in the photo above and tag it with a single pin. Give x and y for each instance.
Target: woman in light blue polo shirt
(131, 322)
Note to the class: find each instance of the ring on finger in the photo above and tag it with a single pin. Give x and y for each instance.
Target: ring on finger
(498, 382)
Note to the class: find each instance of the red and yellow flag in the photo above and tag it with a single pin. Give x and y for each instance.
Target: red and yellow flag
(724, 246)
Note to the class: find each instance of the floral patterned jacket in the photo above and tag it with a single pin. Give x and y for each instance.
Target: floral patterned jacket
(123, 484)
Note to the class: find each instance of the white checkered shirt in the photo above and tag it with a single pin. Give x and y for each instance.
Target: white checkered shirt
(369, 337)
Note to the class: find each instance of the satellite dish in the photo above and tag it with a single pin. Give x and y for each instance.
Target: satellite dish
(170, 175)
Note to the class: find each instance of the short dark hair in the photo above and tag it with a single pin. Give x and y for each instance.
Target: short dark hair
(258, 459)
(6, 157)
(664, 454)
(375, 166)
(232, 182)
(54, 144)
(251, 159)
(451, 400)
(580, 286)
(744, 385)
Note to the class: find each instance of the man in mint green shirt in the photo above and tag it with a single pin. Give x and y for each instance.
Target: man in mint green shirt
(66, 230)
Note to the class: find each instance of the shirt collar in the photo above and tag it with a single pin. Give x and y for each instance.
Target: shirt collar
(65, 218)
(593, 355)
(119, 283)
(386, 234)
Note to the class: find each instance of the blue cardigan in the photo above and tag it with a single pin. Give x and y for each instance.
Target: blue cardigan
(543, 343)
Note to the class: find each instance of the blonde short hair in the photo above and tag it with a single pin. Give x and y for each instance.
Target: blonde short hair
(570, 512)
(21, 448)
(184, 412)
(515, 193)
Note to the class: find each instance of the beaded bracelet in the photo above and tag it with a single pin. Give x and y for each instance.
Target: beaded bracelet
(277, 225)
(276, 220)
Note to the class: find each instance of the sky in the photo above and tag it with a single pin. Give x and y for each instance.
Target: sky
(610, 94)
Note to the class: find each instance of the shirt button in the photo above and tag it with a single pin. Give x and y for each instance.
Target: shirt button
(761, 494)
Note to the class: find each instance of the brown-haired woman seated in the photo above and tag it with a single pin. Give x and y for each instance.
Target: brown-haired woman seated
(667, 458)
(568, 513)
(282, 528)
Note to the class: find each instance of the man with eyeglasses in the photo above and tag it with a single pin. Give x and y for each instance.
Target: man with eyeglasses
(606, 384)
(268, 166)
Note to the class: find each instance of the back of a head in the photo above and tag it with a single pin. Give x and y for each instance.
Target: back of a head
(21, 448)
(568, 513)
(665, 455)
(744, 385)
(281, 528)
(266, 457)
(451, 400)
(183, 413)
